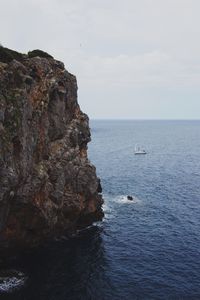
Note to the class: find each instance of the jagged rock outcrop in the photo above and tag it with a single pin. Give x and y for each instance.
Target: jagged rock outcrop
(47, 183)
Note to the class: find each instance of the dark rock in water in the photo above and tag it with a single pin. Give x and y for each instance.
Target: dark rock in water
(130, 198)
(99, 189)
(47, 183)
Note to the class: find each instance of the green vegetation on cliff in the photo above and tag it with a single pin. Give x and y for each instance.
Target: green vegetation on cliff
(7, 55)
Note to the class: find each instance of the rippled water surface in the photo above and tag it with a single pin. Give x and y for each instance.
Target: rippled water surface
(148, 248)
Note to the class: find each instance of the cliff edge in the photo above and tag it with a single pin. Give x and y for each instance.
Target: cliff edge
(47, 184)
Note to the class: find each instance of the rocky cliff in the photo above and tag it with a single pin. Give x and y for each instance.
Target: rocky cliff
(47, 184)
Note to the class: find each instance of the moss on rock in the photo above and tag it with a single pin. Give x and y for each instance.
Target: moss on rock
(7, 55)
(39, 53)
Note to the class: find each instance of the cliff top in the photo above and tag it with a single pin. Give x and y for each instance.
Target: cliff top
(7, 55)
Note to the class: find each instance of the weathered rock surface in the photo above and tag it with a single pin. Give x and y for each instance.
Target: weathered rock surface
(47, 183)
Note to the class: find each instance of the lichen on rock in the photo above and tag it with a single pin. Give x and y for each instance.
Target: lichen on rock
(47, 184)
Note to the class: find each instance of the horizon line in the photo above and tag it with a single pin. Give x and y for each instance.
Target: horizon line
(129, 119)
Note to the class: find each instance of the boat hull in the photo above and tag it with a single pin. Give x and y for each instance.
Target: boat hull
(140, 153)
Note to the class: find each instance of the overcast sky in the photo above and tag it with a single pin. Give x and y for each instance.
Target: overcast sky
(135, 59)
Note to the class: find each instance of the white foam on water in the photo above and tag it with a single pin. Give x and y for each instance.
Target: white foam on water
(120, 199)
(107, 210)
(11, 280)
(124, 200)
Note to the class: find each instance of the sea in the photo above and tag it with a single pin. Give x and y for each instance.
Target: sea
(147, 248)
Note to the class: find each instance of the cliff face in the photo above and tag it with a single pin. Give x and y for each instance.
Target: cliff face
(47, 184)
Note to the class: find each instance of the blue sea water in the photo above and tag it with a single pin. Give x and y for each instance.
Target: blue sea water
(148, 248)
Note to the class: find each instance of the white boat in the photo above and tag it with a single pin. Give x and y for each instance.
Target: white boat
(139, 150)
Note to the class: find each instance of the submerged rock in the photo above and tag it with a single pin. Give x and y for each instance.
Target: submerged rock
(47, 183)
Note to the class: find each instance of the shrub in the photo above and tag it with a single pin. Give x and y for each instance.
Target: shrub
(39, 53)
(7, 55)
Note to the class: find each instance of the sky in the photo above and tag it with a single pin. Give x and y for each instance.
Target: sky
(133, 59)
